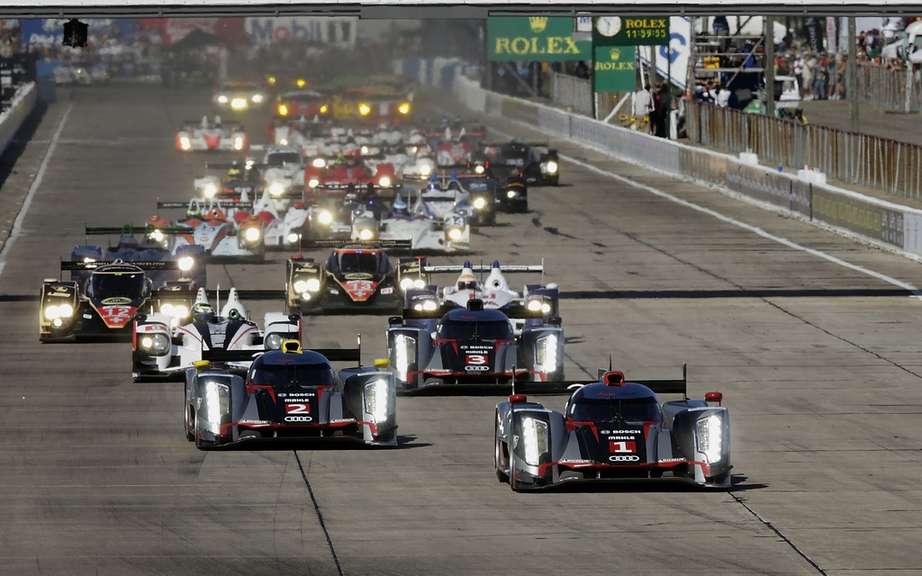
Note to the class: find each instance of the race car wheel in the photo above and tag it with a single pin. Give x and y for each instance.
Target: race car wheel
(190, 423)
(501, 476)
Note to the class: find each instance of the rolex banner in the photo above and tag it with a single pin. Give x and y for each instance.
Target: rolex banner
(614, 69)
(530, 38)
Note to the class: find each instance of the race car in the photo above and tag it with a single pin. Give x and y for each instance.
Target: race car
(211, 135)
(416, 223)
(613, 429)
(101, 304)
(357, 278)
(239, 95)
(289, 394)
(539, 165)
(154, 244)
(242, 180)
(167, 342)
(225, 231)
(472, 193)
(351, 169)
(342, 212)
(474, 345)
(301, 103)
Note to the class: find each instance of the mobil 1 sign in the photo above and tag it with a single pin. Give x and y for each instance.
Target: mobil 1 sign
(541, 38)
(630, 31)
(614, 69)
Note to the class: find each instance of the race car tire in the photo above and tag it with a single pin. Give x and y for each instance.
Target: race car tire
(189, 423)
(501, 476)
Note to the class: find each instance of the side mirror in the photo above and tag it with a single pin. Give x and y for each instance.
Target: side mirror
(395, 321)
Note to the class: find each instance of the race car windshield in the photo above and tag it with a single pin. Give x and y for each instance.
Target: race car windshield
(107, 284)
(603, 410)
(284, 377)
(355, 262)
(490, 330)
(281, 158)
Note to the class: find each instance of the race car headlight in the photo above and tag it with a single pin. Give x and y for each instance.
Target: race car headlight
(257, 98)
(404, 108)
(384, 181)
(222, 99)
(185, 263)
(403, 345)
(412, 149)
(307, 285)
(276, 188)
(239, 142)
(88, 260)
(217, 402)
(534, 440)
(156, 344)
(366, 234)
(511, 194)
(178, 311)
(363, 150)
(58, 311)
(210, 190)
(479, 169)
(455, 234)
(271, 79)
(426, 306)
(538, 305)
(324, 108)
(551, 167)
(319, 163)
(301, 82)
(480, 203)
(709, 437)
(325, 217)
(407, 283)
(283, 141)
(185, 143)
(364, 109)
(425, 170)
(283, 109)
(273, 341)
(238, 103)
(251, 234)
(376, 400)
(156, 235)
(292, 237)
(546, 353)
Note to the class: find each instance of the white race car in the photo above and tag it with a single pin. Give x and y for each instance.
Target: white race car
(211, 135)
(171, 340)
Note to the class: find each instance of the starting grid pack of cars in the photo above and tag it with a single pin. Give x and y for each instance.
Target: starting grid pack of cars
(355, 172)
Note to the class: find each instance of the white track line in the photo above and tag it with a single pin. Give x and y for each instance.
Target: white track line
(732, 221)
(36, 182)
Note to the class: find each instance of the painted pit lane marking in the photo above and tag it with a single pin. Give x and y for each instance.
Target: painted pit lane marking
(36, 182)
(739, 224)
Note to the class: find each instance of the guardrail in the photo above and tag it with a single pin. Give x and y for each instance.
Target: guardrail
(881, 163)
(16, 113)
(884, 222)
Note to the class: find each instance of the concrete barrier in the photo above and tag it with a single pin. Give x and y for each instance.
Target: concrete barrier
(13, 117)
(866, 216)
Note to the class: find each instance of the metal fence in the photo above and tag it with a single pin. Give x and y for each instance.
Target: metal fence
(881, 163)
(886, 88)
(571, 93)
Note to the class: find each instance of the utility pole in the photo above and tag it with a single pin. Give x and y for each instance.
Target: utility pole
(769, 65)
(851, 75)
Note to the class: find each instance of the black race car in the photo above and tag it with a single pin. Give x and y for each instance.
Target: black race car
(538, 163)
(357, 278)
(103, 304)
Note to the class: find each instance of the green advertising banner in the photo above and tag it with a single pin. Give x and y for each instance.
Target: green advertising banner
(614, 69)
(630, 31)
(541, 38)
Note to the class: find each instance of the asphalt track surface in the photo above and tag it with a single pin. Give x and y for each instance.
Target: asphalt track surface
(818, 363)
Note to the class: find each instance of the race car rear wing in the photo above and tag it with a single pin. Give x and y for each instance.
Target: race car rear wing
(331, 354)
(173, 204)
(398, 244)
(142, 264)
(109, 230)
(504, 268)
(242, 165)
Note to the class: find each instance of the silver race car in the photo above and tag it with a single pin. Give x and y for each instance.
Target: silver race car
(613, 429)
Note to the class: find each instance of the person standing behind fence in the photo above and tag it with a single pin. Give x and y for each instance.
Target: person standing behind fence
(660, 110)
(641, 107)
